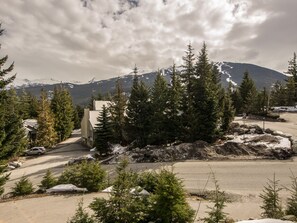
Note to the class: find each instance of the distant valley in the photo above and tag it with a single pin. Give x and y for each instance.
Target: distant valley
(81, 93)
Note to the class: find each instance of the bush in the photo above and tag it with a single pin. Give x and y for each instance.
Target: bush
(81, 216)
(271, 201)
(148, 181)
(22, 187)
(169, 203)
(292, 200)
(216, 214)
(3, 178)
(122, 206)
(48, 181)
(88, 175)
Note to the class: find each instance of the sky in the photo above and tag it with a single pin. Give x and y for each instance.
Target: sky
(77, 40)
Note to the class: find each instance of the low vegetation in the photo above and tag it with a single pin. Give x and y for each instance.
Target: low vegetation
(166, 204)
(88, 175)
(48, 181)
(23, 187)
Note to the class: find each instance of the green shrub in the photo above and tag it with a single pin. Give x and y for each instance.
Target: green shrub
(148, 181)
(3, 178)
(22, 187)
(122, 206)
(81, 216)
(271, 200)
(48, 180)
(169, 203)
(216, 214)
(88, 175)
(292, 200)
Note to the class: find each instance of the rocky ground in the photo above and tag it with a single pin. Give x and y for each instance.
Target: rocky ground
(242, 142)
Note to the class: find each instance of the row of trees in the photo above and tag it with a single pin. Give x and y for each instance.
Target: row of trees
(193, 107)
(55, 117)
(286, 93)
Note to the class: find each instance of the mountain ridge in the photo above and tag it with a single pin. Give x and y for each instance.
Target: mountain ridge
(82, 92)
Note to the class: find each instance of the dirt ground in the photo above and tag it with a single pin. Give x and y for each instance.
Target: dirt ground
(243, 181)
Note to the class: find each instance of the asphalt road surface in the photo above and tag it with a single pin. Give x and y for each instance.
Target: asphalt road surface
(242, 180)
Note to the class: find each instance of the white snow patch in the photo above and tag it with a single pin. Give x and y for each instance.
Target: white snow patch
(118, 149)
(284, 142)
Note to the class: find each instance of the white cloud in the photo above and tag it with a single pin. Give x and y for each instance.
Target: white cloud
(64, 40)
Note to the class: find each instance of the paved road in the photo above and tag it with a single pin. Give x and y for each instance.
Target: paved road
(36, 167)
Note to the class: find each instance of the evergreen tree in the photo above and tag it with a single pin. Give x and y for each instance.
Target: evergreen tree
(187, 107)
(62, 108)
(248, 93)
(46, 134)
(122, 206)
(292, 200)
(236, 100)
(13, 141)
(292, 71)
(138, 113)
(173, 122)
(228, 111)
(103, 132)
(291, 97)
(271, 201)
(261, 103)
(216, 214)
(81, 216)
(48, 180)
(12, 136)
(117, 108)
(23, 187)
(159, 101)
(205, 100)
(169, 200)
(278, 95)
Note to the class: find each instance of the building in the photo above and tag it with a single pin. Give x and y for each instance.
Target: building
(30, 126)
(89, 122)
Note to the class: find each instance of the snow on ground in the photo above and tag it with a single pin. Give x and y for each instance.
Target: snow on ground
(280, 142)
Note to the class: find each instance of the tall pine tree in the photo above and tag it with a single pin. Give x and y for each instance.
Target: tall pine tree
(117, 108)
(12, 136)
(62, 108)
(46, 133)
(248, 93)
(173, 112)
(292, 83)
(139, 113)
(103, 132)
(205, 100)
(159, 101)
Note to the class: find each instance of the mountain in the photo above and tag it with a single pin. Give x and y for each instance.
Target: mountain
(81, 92)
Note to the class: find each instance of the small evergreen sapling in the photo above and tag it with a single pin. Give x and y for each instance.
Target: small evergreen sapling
(271, 200)
(48, 180)
(292, 200)
(23, 187)
(216, 214)
(81, 216)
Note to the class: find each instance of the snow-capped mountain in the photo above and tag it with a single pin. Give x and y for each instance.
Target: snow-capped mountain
(81, 92)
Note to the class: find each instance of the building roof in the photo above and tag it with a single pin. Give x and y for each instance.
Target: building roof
(97, 105)
(93, 118)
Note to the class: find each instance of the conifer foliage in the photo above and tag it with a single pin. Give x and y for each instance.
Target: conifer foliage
(271, 201)
(117, 109)
(12, 135)
(139, 113)
(103, 132)
(63, 111)
(46, 133)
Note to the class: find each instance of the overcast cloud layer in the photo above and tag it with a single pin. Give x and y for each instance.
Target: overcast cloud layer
(81, 39)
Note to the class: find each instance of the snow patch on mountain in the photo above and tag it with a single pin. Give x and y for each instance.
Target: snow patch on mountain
(222, 71)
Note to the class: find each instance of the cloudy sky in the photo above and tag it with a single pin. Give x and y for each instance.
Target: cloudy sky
(81, 39)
